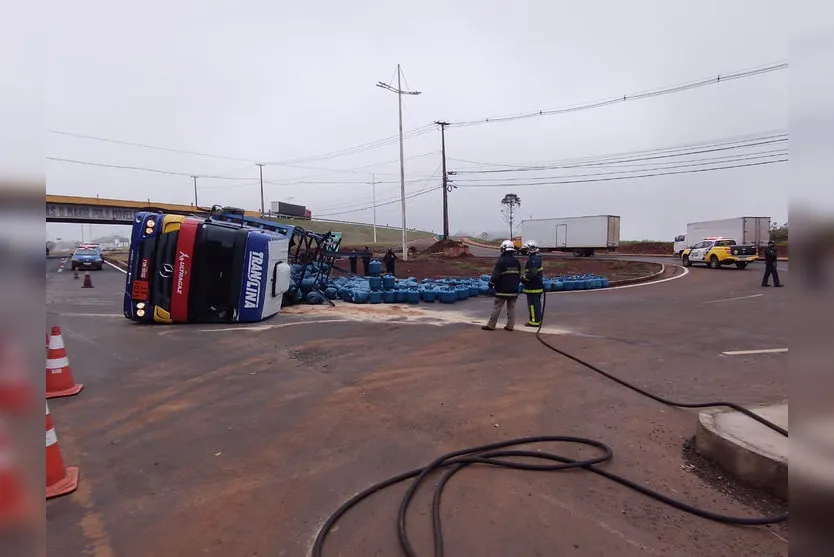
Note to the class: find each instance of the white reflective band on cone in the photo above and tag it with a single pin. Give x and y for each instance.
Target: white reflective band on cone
(57, 363)
(51, 437)
(56, 342)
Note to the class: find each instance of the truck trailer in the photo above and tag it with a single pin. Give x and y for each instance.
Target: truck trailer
(751, 231)
(581, 235)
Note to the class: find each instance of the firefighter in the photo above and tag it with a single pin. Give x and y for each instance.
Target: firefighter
(352, 260)
(505, 280)
(533, 283)
(366, 261)
(390, 260)
(771, 255)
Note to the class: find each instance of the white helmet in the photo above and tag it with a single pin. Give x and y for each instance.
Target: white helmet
(507, 245)
(532, 246)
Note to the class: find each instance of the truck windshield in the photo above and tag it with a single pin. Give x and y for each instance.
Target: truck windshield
(165, 271)
(218, 270)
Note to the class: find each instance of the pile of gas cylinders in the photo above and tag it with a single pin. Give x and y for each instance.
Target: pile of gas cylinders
(378, 288)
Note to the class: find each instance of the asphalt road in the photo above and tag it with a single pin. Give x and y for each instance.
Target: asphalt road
(216, 440)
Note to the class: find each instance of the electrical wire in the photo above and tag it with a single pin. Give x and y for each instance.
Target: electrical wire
(718, 142)
(145, 169)
(648, 175)
(664, 155)
(397, 200)
(668, 166)
(740, 74)
(498, 455)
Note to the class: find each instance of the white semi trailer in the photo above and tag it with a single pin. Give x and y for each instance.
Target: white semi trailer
(749, 231)
(581, 235)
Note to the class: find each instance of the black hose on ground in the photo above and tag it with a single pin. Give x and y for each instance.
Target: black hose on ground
(500, 455)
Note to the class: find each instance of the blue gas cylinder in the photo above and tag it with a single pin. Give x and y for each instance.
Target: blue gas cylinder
(389, 296)
(604, 282)
(331, 293)
(428, 295)
(360, 296)
(413, 297)
(569, 284)
(375, 297)
(388, 282)
(448, 296)
(558, 286)
(375, 282)
(474, 290)
(313, 298)
(483, 289)
(462, 292)
(375, 268)
(402, 295)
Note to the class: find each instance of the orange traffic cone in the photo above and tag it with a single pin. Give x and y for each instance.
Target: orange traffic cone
(59, 480)
(88, 281)
(59, 381)
(15, 507)
(15, 391)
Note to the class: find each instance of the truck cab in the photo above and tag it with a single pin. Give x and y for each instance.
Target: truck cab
(679, 245)
(717, 252)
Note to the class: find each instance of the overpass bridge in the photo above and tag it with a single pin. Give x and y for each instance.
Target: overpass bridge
(95, 210)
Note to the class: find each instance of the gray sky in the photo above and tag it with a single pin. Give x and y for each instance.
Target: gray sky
(267, 81)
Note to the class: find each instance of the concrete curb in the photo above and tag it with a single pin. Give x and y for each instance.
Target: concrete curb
(117, 262)
(636, 280)
(747, 461)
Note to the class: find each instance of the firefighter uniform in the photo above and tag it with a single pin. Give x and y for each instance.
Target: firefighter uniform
(505, 279)
(533, 280)
(771, 257)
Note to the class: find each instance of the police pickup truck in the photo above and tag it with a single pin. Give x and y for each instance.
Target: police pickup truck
(717, 252)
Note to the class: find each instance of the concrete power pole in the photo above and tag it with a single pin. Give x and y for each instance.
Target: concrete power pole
(373, 185)
(446, 186)
(261, 172)
(195, 191)
(399, 91)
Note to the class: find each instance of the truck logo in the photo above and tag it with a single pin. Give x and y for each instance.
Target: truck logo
(166, 271)
(253, 280)
(182, 270)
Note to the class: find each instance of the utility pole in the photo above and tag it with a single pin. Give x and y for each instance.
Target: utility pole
(261, 171)
(399, 91)
(446, 187)
(373, 185)
(195, 191)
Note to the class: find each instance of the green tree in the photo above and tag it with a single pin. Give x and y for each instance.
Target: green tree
(779, 233)
(509, 204)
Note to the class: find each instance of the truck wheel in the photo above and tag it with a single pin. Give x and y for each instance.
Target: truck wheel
(741, 265)
(577, 253)
(685, 261)
(714, 263)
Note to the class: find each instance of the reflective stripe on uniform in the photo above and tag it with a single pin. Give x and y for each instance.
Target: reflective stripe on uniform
(510, 272)
(503, 295)
(538, 291)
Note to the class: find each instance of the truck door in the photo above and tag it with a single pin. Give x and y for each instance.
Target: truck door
(561, 236)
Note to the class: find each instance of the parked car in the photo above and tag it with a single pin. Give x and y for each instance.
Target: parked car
(87, 258)
(718, 252)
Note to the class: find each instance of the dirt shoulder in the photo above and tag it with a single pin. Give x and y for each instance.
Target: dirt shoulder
(427, 266)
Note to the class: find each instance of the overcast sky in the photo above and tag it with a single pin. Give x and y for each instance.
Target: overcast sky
(273, 81)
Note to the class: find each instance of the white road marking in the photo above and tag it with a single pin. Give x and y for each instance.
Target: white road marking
(116, 267)
(762, 351)
(267, 327)
(599, 290)
(733, 299)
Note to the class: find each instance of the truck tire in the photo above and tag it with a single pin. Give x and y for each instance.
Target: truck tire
(741, 265)
(577, 253)
(685, 261)
(714, 263)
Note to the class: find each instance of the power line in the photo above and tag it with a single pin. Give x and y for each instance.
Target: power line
(773, 134)
(634, 159)
(740, 74)
(148, 146)
(397, 200)
(686, 164)
(623, 177)
(362, 203)
(143, 169)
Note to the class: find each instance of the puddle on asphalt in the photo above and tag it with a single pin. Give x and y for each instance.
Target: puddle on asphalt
(399, 313)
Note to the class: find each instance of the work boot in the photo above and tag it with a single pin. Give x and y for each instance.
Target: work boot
(486, 328)
(508, 329)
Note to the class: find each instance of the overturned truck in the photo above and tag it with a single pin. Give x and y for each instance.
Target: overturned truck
(224, 267)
